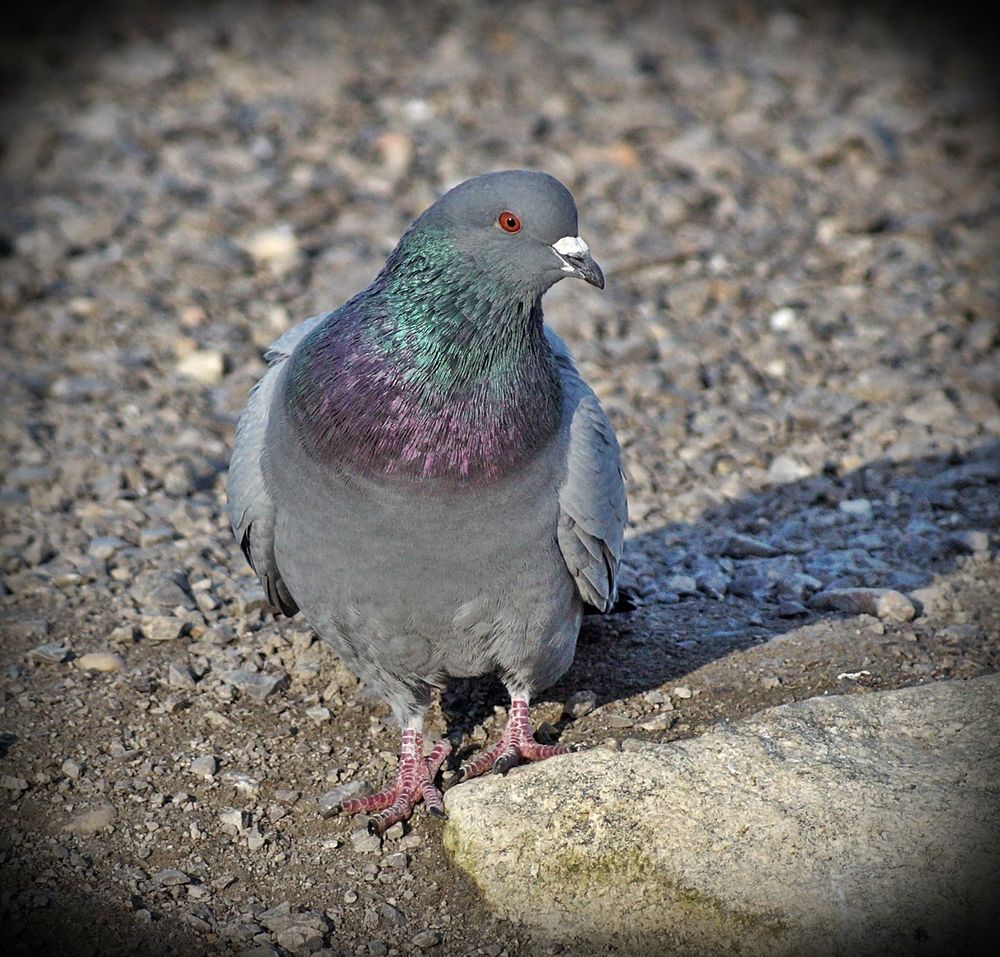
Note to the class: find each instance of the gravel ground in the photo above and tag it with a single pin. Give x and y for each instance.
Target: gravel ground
(797, 214)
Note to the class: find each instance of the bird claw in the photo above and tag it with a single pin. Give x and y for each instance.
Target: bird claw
(413, 783)
(516, 744)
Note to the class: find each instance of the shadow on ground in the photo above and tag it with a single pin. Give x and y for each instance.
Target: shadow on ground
(885, 525)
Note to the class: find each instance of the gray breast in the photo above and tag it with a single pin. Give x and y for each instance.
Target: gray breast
(420, 584)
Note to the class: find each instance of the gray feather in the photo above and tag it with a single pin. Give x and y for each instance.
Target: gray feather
(592, 504)
(251, 510)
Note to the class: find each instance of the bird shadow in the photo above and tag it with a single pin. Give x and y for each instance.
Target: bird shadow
(749, 570)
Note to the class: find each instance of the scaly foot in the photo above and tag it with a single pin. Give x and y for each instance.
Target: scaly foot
(517, 743)
(414, 782)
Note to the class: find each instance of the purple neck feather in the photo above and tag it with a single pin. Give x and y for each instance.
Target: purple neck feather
(435, 393)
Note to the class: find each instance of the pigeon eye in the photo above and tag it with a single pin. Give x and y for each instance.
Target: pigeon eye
(509, 222)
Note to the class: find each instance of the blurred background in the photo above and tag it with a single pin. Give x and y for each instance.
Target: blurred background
(796, 208)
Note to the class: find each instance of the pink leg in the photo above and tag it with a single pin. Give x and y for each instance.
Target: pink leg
(516, 743)
(414, 782)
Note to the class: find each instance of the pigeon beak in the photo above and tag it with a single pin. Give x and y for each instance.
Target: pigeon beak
(577, 261)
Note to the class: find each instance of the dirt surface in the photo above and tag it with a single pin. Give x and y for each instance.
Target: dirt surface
(797, 214)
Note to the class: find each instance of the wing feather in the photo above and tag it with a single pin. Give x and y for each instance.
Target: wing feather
(593, 509)
(251, 511)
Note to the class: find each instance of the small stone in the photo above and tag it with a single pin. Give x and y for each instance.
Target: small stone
(234, 817)
(365, 843)
(681, 585)
(659, 722)
(276, 248)
(255, 840)
(781, 320)
(122, 635)
(390, 914)
(71, 769)
(179, 675)
(161, 627)
(426, 939)
(856, 507)
(53, 652)
(153, 536)
(90, 822)
(580, 703)
(884, 603)
(101, 661)
(205, 766)
(242, 782)
(318, 713)
(746, 546)
(784, 469)
(682, 691)
(619, 721)
(206, 366)
(329, 803)
(254, 685)
(11, 783)
(171, 877)
(104, 546)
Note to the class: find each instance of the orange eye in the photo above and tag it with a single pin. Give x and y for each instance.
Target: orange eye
(509, 222)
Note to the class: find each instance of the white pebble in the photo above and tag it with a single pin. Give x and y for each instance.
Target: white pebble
(782, 319)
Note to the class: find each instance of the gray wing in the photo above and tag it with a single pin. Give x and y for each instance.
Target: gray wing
(251, 511)
(593, 509)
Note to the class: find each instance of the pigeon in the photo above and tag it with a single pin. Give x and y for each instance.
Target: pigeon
(423, 473)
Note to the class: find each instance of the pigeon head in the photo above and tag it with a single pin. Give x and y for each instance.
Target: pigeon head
(517, 228)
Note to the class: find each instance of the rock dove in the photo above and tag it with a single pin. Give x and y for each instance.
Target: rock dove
(426, 476)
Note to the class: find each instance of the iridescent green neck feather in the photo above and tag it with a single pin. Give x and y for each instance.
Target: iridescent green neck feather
(439, 371)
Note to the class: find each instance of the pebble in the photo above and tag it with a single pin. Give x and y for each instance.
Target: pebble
(318, 713)
(206, 366)
(276, 248)
(104, 546)
(11, 783)
(365, 843)
(234, 817)
(659, 722)
(148, 537)
(257, 687)
(54, 652)
(781, 320)
(101, 661)
(580, 703)
(171, 877)
(72, 769)
(179, 675)
(883, 603)
(92, 821)
(785, 469)
(426, 939)
(746, 546)
(161, 627)
(205, 766)
(682, 691)
(857, 507)
(242, 782)
(615, 720)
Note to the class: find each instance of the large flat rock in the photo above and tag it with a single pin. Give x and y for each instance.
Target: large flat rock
(861, 824)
